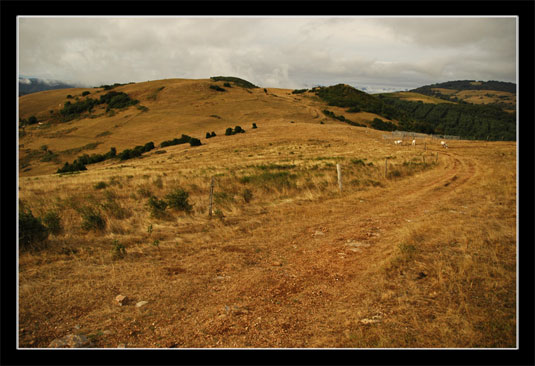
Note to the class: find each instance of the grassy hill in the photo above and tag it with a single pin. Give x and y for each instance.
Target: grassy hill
(165, 109)
(417, 250)
(497, 93)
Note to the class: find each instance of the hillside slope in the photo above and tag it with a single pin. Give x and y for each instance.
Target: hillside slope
(166, 110)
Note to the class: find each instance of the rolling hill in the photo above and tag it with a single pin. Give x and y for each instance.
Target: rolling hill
(250, 240)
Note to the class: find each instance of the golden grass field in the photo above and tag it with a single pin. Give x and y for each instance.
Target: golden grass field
(422, 257)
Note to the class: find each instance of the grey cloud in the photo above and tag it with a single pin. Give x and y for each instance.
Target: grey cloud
(289, 52)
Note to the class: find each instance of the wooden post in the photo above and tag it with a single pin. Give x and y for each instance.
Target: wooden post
(339, 171)
(211, 195)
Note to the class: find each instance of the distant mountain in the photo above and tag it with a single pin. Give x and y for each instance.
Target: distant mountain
(34, 85)
(468, 85)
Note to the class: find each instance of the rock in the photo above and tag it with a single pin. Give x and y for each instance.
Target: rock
(121, 300)
(141, 303)
(71, 341)
(318, 233)
(276, 264)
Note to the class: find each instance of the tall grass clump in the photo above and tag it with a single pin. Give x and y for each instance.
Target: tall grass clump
(178, 200)
(156, 207)
(31, 230)
(52, 222)
(92, 219)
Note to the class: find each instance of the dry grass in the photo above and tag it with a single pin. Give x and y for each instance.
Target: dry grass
(422, 258)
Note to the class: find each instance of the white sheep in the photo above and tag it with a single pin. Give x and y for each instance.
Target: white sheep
(443, 143)
(413, 142)
(398, 142)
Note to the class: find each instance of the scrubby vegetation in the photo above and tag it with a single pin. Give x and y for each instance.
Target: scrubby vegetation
(341, 118)
(465, 120)
(184, 139)
(218, 88)
(113, 99)
(237, 81)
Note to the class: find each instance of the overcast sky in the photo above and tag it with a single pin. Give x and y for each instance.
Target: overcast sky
(371, 53)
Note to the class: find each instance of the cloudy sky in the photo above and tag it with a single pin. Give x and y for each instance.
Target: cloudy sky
(369, 53)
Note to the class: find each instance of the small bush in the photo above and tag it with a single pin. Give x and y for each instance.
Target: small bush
(118, 250)
(178, 199)
(100, 185)
(53, 222)
(227, 85)
(238, 129)
(92, 219)
(228, 131)
(85, 93)
(218, 88)
(157, 207)
(254, 125)
(213, 134)
(31, 230)
(208, 135)
(247, 195)
(358, 162)
(144, 192)
(158, 182)
(114, 209)
(195, 142)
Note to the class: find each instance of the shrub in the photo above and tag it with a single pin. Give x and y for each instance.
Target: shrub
(358, 162)
(92, 219)
(213, 134)
(195, 142)
(100, 185)
(69, 96)
(112, 153)
(208, 135)
(31, 230)
(182, 140)
(53, 222)
(227, 85)
(74, 167)
(238, 129)
(144, 192)
(254, 125)
(148, 146)
(114, 209)
(85, 93)
(178, 199)
(228, 131)
(156, 206)
(247, 195)
(218, 88)
(32, 120)
(118, 250)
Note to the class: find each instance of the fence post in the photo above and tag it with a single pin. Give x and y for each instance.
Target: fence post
(211, 195)
(339, 171)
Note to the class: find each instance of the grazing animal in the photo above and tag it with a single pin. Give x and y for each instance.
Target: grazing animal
(398, 142)
(413, 142)
(443, 143)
